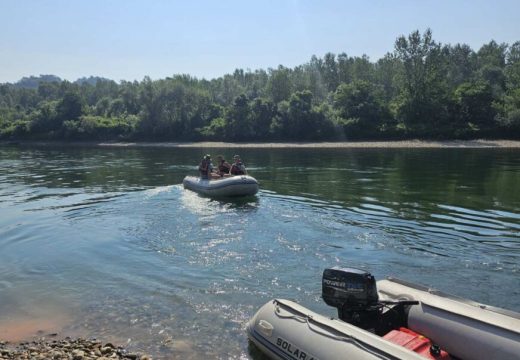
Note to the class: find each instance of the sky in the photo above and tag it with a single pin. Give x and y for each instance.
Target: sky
(130, 39)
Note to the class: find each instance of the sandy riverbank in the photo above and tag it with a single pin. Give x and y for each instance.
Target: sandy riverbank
(353, 144)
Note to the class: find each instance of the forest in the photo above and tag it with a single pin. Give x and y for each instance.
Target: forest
(422, 90)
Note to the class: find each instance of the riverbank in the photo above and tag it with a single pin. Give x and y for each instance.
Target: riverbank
(76, 349)
(347, 144)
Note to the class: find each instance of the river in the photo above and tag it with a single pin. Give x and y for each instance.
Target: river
(105, 242)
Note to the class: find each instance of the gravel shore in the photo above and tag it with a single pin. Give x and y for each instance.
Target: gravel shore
(70, 349)
(312, 145)
(332, 145)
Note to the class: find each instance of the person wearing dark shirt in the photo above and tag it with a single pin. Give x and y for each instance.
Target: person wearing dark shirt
(205, 167)
(223, 166)
(238, 167)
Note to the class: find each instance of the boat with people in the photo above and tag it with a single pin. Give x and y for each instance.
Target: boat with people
(387, 319)
(230, 186)
(227, 181)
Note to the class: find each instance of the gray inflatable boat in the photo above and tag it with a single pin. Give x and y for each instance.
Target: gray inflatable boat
(240, 185)
(399, 320)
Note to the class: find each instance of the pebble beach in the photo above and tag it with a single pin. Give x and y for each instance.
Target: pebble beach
(68, 348)
(297, 145)
(332, 145)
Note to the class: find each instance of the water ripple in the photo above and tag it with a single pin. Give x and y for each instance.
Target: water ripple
(114, 233)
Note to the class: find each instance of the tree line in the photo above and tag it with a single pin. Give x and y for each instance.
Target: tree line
(423, 89)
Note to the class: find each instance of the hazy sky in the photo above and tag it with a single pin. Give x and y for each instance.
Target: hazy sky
(128, 39)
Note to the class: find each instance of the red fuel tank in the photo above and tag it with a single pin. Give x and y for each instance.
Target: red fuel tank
(417, 343)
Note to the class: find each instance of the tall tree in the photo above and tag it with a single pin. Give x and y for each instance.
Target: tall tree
(461, 65)
(71, 107)
(330, 71)
(491, 59)
(279, 85)
(361, 107)
(475, 111)
(422, 106)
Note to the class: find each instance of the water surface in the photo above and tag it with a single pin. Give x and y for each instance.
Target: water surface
(105, 242)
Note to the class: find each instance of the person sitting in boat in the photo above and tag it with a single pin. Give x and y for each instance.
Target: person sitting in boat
(238, 167)
(223, 166)
(205, 167)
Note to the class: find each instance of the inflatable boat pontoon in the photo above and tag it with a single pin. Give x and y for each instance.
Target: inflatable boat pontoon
(395, 320)
(240, 185)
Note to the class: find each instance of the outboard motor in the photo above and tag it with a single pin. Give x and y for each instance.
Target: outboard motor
(354, 293)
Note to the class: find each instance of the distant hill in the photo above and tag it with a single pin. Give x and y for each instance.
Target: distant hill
(32, 82)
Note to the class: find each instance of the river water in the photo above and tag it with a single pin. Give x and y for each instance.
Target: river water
(105, 242)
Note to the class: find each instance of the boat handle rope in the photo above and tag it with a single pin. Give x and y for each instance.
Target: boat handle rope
(346, 338)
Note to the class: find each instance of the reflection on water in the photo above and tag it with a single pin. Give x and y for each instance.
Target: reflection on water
(109, 239)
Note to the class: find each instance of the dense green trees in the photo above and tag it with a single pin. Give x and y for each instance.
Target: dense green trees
(423, 89)
(422, 102)
(298, 120)
(361, 109)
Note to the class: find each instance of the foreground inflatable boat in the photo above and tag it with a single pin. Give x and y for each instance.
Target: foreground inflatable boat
(393, 320)
(241, 185)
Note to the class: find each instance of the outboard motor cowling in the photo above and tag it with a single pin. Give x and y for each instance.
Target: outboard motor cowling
(354, 293)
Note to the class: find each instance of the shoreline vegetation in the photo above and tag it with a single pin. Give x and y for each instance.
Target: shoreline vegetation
(405, 144)
(421, 90)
